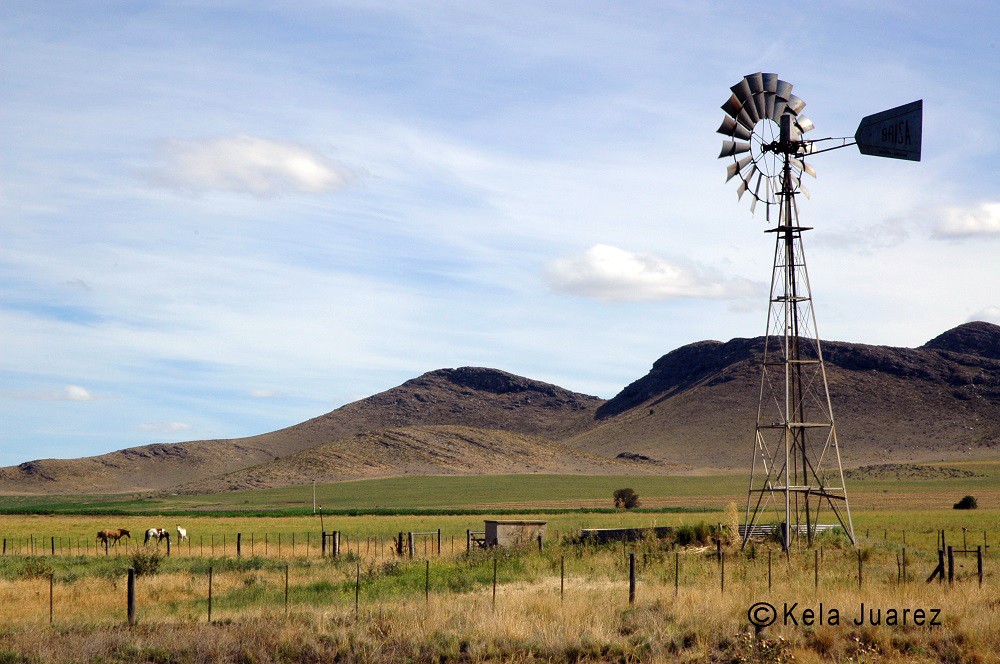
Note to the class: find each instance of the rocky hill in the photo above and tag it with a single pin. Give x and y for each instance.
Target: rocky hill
(694, 410)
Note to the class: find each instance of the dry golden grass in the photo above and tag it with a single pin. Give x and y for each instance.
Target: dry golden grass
(531, 621)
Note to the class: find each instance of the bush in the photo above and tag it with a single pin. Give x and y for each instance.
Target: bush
(626, 499)
(967, 503)
(145, 564)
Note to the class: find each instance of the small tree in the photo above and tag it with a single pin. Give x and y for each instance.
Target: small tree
(626, 499)
(967, 503)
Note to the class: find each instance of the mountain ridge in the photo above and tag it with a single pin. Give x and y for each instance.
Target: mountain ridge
(694, 409)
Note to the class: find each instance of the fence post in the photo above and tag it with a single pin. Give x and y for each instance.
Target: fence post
(979, 564)
(286, 590)
(322, 548)
(951, 566)
(209, 594)
(904, 565)
(468, 541)
(562, 576)
(357, 590)
(722, 572)
(427, 581)
(168, 544)
(239, 545)
(53, 545)
(52, 597)
(631, 578)
(409, 543)
(439, 542)
(399, 545)
(494, 583)
(677, 572)
(131, 597)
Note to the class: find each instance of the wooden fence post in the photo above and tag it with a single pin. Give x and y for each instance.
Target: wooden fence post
(239, 545)
(468, 541)
(979, 564)
(951, 566)
(131, 597)
(494, 583)
(322, 548)
(427, 581)
(677, 572)
(53, 545)
(209, 594)
(168, 544)
(409, 543)
(439, 542)
(562, 576)
(631, 578)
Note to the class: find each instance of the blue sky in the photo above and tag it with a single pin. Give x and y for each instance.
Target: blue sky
(219, 219)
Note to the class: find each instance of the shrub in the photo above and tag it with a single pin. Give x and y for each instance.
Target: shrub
(626, 499)
(967, 503)
(145, 564)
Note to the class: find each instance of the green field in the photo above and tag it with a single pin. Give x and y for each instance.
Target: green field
(512, 493)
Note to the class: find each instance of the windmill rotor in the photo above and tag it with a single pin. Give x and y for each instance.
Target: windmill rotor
(755, 142)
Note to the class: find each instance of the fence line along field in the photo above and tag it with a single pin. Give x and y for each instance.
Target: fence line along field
(568, 601)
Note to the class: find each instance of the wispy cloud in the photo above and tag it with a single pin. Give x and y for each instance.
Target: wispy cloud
(989, 314)
(66, 393)
(266, 394)
(246, 164)
(977, 221)
(163, 427)
(611, 274)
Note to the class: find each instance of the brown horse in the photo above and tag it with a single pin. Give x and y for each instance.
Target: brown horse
(112, 536)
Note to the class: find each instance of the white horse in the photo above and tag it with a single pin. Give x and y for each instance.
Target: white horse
(182, 534)
(157, 534)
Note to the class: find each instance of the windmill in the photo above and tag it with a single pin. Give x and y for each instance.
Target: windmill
(796, 469)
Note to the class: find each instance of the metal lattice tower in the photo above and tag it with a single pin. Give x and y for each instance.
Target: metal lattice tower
(796, 466)
(796, 469)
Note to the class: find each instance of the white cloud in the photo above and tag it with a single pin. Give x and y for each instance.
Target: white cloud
(163, 427)
(266, 394)
(611, 274)
(982, 220)
(246, 164)
(67, 393)
(989, 315)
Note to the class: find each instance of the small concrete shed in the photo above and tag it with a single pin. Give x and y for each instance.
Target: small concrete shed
(511, 533)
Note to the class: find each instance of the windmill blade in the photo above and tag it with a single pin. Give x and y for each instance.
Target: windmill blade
(803, 166)
(742, 90)
(732, 106)
(750, 107)
(770, 82)
(731, 148)
(803, 189)
(769, 102)
(730, 127)
(780, 106)
(795, 105)
(756, 82)
(756, 187)
(760, 100)
(784, 90)
(749, 175)
(741, 190)
(744, 118)
(736, 167)
(804, 124)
